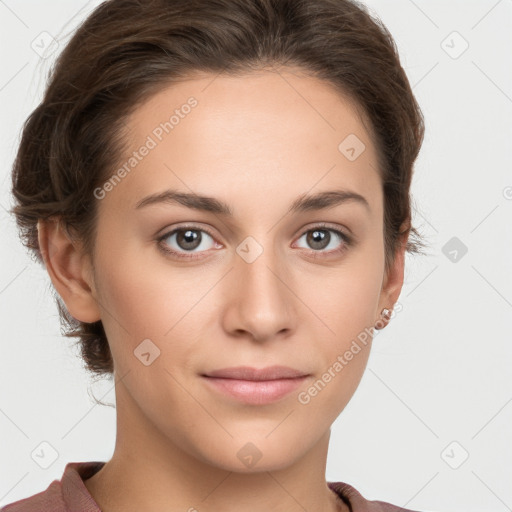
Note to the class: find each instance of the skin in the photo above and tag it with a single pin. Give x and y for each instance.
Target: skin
(256, 142)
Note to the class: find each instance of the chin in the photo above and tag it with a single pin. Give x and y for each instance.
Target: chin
(255, 454)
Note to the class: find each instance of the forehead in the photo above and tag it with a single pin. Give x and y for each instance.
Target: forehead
(269, 129)
(269, 94)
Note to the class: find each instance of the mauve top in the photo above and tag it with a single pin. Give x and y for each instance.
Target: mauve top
(70, 494)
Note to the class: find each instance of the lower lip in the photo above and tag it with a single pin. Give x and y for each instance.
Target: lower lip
(256, 392)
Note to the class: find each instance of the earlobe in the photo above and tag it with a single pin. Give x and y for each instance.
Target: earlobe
(69, 270)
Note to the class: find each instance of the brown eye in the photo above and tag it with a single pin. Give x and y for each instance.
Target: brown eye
(325, 240)
(187, 242)
(318, 239)
(189, 239)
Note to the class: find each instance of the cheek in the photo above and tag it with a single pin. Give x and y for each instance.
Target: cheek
(346, 297)
(153, 302)
(132, 289)
(344, 339)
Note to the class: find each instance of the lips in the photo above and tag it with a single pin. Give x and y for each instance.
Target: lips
(254, 374)
(255, 387)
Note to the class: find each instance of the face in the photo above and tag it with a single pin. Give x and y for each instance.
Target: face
(256, 273)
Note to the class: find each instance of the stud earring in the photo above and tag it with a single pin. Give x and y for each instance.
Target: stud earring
(385, 315)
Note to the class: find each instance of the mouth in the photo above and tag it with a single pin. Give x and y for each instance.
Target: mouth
(253, 386)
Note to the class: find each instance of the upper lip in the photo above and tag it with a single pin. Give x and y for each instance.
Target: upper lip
(249, 373)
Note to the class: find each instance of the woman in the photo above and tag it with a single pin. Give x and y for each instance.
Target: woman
(219, 191)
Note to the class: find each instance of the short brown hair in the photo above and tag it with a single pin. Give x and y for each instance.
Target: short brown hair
(127, 50)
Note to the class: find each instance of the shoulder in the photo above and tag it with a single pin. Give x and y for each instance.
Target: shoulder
(358, 503)
(64, 495)
(50, 499)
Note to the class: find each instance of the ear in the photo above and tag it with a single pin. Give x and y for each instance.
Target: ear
(392, 283)
(70, 270)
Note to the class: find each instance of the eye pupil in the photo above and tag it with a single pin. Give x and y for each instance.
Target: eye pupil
(188, 239)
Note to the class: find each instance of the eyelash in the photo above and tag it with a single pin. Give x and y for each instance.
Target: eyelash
(347, 241)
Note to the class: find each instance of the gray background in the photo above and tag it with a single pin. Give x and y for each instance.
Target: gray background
(438, 386)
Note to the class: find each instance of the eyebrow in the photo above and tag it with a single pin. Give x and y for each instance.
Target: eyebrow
(319, 201)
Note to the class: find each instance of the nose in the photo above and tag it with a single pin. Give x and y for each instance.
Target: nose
(258, 298)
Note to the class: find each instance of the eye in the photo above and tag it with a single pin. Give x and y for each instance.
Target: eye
(322, 237)
(184, 242)
(189, 242)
